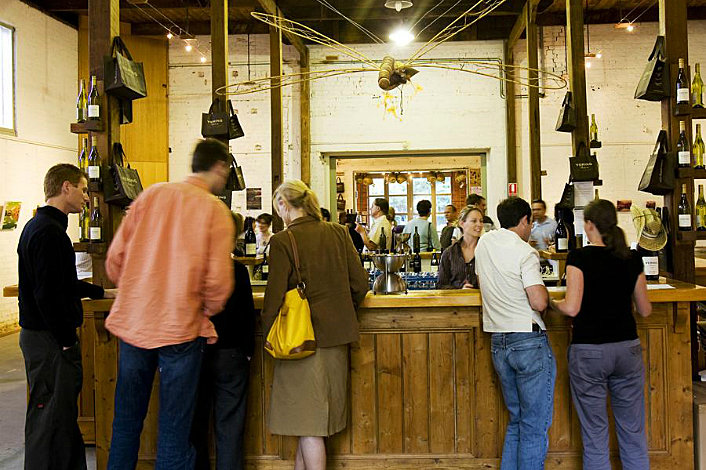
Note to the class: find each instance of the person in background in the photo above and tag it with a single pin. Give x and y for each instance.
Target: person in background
(603, 281)
(378, 211)
(171, 260)
(309, 397)
(428, 237)
(451, 214)
(262, 231)
(325, 215)
(50, 311)
(239, 222)
(350, 225)
(457, 269)
(479, 201)
(223, 386)
(391, 216)
(543, 227)
(513, 298)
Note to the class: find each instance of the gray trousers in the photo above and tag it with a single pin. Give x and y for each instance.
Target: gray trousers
(616, 368)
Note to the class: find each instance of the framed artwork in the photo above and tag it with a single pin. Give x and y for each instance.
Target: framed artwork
(10, 215)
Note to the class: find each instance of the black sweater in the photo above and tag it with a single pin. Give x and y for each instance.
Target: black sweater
(235, 325)
(50, 293)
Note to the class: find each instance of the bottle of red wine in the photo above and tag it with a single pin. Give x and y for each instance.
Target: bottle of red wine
(561, 235)
(415, 241)
(250, 241)
(683, 150)
(417, 262)
(96, 223)
(94, 163)
(94, 101)
(264, 269)
(684, 211)
(383, 241)
(682, 84)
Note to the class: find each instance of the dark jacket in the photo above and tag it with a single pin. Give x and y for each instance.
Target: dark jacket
(336, 283)
(235, 325)
(50, 293)
(453, 269)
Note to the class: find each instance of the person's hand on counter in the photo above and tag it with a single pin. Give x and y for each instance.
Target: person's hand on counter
(110, 293)
(467, 285)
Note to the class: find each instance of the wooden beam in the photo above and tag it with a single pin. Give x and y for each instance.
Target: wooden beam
(201, 28)
(219, 46)
(271, 8)
(577, 71)
(305, 121)
(535, 145)
(277, 145)
(510, 124)
(518, 28)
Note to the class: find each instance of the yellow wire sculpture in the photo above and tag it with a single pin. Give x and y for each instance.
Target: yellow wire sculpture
(393, 73)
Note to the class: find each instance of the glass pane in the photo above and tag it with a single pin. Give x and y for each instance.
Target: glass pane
(441, 203)
(377, 188)
(421, 186)
(399, 203)
(444, 187)
(401, 219)
(398, 188)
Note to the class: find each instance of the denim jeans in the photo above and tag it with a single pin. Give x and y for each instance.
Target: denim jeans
(179, 369)
(223, 393)
(527, 371)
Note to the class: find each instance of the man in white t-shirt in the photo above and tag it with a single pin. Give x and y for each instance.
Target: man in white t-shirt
(380, 225)
(513, 298)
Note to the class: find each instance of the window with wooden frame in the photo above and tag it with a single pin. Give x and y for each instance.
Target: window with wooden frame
(7, 79)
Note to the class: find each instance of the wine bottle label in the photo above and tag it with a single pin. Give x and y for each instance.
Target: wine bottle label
(93, 111)
(685, 158)
(683, 95)
(94, 172)
(95, 233)
(562, 244)
(651, 264)
(265, 269)
(685, 220)
(250, 249)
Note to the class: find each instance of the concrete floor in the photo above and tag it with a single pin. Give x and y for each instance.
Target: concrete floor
(13, 385)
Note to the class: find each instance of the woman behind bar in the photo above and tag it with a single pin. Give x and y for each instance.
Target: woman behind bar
(603, 280)
(309, 396)
(457, 269)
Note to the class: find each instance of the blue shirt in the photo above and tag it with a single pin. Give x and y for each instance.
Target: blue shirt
(542, 231)
(425, 236)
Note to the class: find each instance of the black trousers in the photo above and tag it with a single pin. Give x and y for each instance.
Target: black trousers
(53, 439)
(223, 393)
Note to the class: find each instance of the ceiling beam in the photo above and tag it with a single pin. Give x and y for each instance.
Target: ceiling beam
(200, 28)
(518, 29)
(82, 5)
(271, 8)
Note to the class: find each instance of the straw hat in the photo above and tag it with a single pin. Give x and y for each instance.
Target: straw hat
(651, 234)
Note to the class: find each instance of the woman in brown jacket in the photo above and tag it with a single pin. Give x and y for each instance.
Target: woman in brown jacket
(309, 396)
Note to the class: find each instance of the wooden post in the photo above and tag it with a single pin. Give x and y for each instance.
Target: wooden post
(535, 149)
(305, 122)
(577, 71)
(276, 117)
(219, 65)
(511, 141)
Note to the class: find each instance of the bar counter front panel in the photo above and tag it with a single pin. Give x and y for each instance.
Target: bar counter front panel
(423, 391)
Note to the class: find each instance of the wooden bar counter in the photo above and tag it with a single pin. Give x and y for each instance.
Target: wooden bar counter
(423, 391)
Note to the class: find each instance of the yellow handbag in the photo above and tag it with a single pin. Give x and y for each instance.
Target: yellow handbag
(292, 334)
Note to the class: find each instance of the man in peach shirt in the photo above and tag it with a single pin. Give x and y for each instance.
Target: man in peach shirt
(171, 260)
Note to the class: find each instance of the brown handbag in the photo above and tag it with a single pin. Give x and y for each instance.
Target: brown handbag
(340, 203)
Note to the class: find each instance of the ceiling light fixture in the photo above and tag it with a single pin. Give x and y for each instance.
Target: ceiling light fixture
(170, 35)
(398, 5)
(188, 47)
(628, 26)
(203, 59)
(401, 37)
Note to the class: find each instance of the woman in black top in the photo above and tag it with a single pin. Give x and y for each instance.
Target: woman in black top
(457, 269)
(603, 281)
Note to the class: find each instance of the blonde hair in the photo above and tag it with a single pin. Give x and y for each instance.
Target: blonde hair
(465, 211)
(298, 195)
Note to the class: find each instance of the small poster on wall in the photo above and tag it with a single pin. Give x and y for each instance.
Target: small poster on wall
(10, 215)
(253, 198)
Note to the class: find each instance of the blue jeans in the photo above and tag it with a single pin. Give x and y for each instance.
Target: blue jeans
(179, 369)
(527, 371)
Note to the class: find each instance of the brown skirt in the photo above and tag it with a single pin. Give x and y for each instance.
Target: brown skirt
(310, 396)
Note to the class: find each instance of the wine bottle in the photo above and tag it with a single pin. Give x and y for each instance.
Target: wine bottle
(682, 84)
(684, 211)
(415, 241)
(561, 236)
(593, 129)
(417, 262)
(94, 101)
(264, 269)
(697, 87)
(383, 241)
(650, 263)
(83, 156)
(683, 147)
(434, 263)
(250, 241)
(595, 194)
(701, 210)
(84, 224)
(82, 103)
(699, 149)
(94, 163)
(96, 223)
(430, 245)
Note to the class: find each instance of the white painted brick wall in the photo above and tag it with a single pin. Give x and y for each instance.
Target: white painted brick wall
(46, 86)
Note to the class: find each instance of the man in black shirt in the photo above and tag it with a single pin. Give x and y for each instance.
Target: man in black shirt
(50, 311)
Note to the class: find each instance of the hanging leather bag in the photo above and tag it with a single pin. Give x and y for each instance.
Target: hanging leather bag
(236, 180)
(340, 187)
(292, 333)
(658, 177)
(220, 122)
(340, 203)
(654, 82)
(584, 166)
(124, 77)
(126, 184)
(567, 197)
(567, 115)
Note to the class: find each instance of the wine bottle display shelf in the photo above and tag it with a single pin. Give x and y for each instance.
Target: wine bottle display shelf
(86, 127)
(92, 248)
(691, 236)
(684, 173)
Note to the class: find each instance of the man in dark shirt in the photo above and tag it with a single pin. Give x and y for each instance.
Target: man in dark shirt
(50, 311)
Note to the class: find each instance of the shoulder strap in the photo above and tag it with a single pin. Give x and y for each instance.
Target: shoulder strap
(301, 286)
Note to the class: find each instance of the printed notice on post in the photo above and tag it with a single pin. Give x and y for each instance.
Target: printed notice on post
(253, 199)
(11, 215)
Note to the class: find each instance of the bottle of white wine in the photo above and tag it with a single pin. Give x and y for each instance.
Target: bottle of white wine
(83, 156)
(82, 103)
(96, 223)
(684, 211)
(84, 229)
(94, 163)
(697, 87)
(593, 129)
(94, 101)
(682, 84)
(699, 149)
(683, 147)
(701, 210)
